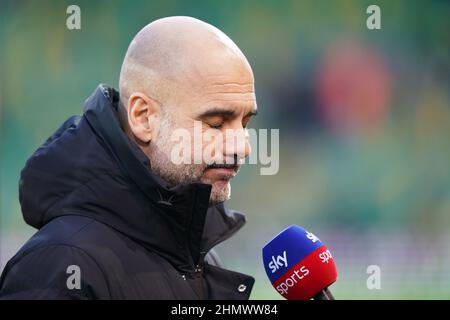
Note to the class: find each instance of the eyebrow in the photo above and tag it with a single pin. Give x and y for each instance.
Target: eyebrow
(219, 112)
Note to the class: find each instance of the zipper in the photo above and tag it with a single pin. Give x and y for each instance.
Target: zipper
(198, 274)
(199, 266)
(200, 263)
(198, 271)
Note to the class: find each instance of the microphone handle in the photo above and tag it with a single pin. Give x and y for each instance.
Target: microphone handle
(324, 294)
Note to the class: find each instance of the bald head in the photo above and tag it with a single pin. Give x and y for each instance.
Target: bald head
(174, 56)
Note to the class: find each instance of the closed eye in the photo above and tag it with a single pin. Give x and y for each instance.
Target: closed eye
(217, 117)
(215, 122)
(215, 126)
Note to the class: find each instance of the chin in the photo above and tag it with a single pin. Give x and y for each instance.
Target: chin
(220, 192)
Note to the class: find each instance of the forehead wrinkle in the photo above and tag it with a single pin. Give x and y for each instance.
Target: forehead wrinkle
(238, 100)
(230, 95)
(229, 87)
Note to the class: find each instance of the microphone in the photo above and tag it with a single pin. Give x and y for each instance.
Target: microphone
(299, 265)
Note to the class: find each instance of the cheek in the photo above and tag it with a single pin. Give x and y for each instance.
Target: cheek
(203, 143)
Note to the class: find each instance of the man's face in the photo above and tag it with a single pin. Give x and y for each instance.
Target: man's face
(220, 110)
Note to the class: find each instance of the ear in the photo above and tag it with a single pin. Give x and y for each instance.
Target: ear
(143, 116)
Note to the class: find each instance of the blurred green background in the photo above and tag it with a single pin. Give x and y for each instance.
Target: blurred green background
(364, 119)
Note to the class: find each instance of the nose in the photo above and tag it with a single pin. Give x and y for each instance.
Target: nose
(237, 143)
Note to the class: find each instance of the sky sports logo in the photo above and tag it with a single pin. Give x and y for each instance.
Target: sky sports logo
(290, 281)
(279, 262)
(298, 264)
(298, 272)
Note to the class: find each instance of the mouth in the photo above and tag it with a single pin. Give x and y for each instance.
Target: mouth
(222, 171)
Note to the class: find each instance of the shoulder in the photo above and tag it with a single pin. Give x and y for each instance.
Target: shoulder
(85, 234)
(45, 266)
(53, 271)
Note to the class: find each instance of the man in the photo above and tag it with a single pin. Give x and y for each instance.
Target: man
(117, 217)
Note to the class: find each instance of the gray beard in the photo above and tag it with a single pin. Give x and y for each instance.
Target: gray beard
(176, 174)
